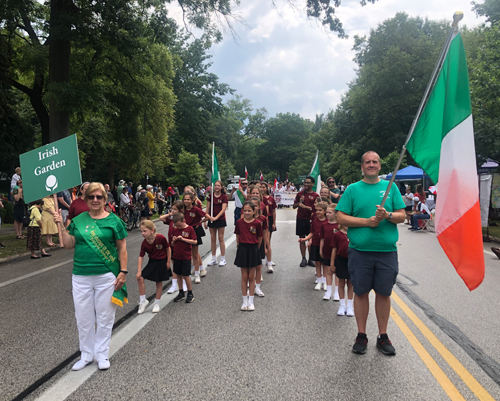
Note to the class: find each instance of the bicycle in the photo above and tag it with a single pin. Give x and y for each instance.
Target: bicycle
(134, 218)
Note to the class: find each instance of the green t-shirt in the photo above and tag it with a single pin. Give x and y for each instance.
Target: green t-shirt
(360, 200)
(335, 191)
(86, 262)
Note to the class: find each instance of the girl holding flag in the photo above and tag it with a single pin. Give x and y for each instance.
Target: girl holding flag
(217, 224)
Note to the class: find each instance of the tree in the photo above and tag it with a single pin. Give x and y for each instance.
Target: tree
(187, 170)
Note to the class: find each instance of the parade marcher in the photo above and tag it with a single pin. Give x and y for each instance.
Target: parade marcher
(99, 274)
(258, 216)
(325, 249)
(248, 239)
(271, 219)
(339, 266)
(158, 267)
(373, 259)
(182, 237)
(49, 227)
(314, 239)
(195, 217)
(334, 191)
(218, 223)
(34, 242)
(19, 209)
(408, 199)
(304, 203)
(240, 196)
(79, 205)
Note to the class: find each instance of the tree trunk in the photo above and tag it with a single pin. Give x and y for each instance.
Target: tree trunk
(59, 65)
(111, 175)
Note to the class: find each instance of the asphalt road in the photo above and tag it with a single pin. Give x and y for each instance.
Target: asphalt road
(293, 346)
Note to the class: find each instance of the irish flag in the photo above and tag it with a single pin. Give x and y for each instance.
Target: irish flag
(215, 166)
(443, 144)
(316, 174)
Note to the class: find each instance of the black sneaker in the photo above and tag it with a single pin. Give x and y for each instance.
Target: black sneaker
(181, 296)
(385, 345)
(190, 298)
(3, 246)
(359, 346)
(303, 263)
(311, 263)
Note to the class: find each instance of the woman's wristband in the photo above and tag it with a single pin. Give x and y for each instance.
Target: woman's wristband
(124, 272)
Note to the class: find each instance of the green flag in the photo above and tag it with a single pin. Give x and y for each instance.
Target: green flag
(316, 174)
(215, 167)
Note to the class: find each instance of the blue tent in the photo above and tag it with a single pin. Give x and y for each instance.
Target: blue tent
(409, 173)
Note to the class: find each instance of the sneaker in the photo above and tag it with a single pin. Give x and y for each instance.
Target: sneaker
(142, 307)
(496, 251)
(416, 229)
(156, 308)
(213, 262)
(181, 296)
(270, 268)
(251, 307)
(103, 364)
(303, 263)
(190, 298)
(350, 311)
(172, 289)
(222, 262)
(341, 311)
(80, 364)
(272, 263)
(359, 346)
(203, 272)
(336, 297)
(327, 296)
(318, 287)
(324, 287)
(261, 278)
(259, 293)
(244, 306)
(385, 345)
(197, 280)
(311, 263)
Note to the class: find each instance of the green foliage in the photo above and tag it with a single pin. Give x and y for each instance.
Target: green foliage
(389, 162)
(7, 213)
(187, 170)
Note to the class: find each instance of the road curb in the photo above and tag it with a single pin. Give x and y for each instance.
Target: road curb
(19, 256)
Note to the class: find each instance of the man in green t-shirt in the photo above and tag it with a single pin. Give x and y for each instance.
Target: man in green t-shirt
(373, 258)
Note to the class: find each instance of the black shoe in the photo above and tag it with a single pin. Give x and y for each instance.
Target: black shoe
(385, 345)
(46, 255)
(181, 296)
(359, 346)
(496, 251)
(311, 263)
(190, 298)
(303, 263)
(2, 245)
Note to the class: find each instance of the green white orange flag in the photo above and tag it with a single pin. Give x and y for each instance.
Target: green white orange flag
(443, 145)
(316, 174)
(215, 167)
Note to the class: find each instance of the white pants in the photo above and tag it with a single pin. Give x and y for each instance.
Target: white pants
(93, 307)
(64, 215)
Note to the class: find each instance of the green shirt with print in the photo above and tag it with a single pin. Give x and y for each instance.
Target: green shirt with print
(85, 261)
(360, 200)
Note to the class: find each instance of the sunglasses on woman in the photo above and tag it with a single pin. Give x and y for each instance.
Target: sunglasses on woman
(98, 197)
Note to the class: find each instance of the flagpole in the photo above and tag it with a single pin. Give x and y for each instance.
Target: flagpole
(212, 178)
(457, 17)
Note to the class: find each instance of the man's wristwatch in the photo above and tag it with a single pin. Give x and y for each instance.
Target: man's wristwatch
(390, 216)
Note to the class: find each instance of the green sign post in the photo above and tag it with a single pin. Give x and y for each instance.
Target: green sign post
(50, 169)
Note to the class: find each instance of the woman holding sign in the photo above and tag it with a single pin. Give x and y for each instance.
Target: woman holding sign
(99, 273)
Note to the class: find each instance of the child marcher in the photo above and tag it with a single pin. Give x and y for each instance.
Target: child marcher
(158, 267)
(218, 223)
(338, 265)
(177, 207)
(262, 253)
(325, 248)
(34, 239)
(182, 238)
(271, 219)
(248, 232)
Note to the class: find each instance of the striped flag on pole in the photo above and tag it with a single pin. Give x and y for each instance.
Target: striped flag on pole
(246, 173)
(443, 144)
(316, 174)
(215, 176)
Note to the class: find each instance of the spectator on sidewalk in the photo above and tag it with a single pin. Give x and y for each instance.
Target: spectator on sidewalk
(49, 228)
(64, 203)
(13, 182)
(19, 209)
(1, 207)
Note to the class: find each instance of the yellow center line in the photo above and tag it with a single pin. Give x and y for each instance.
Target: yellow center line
(431, 364)
(459, 369)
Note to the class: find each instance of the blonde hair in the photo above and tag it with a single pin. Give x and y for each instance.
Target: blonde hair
(332, 206)
(96, 186)
(149, 225)
(192, 191)
(257, 208)
(252, 187)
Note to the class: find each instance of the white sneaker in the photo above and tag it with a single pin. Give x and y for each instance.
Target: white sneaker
(259, 293)
(80, 364)
(270, 268)
(324, 287)
(103, 364)
(336, 297)
(272, 263)
(172, 289)
(212, 262)
(327, 296)
(350, 311)
(261, 278)
(316, 281)
(244, 306)
(156, 308)
(318, 287)
(341, 311)
(251, 307)
(222, 262)
(142, 306)
(185, 288)
(197, 280)
(203, 273)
